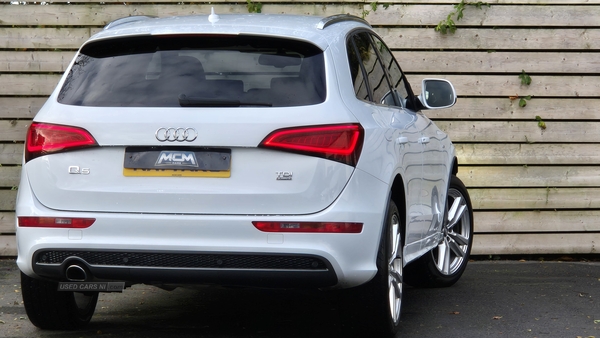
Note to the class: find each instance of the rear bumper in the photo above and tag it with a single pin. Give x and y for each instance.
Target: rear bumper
(345, 260)
(220, 268)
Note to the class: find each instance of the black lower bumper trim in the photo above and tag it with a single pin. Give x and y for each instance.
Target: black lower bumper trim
(251, 269)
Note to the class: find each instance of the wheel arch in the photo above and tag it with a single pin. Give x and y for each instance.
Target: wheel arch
(454, 166)
(398, 195)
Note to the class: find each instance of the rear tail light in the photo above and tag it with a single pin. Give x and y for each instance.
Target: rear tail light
(56, 222)
(340, 142)
(45, 138)
(328, 227)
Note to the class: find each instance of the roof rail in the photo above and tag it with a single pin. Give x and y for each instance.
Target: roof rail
(128, 19)
(330, 20)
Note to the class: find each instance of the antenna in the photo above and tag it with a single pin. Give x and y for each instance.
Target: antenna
(212, 18)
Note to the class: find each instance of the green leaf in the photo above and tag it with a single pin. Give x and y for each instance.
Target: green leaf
(525, 79)
(541, 122)
(253, 7)
(522, 102)
(479, 4)
(374, 6)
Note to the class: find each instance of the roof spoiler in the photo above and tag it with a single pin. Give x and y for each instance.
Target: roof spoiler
(128, 19)
(330, 20)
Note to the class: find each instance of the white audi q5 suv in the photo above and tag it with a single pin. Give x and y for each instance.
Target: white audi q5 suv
(242, 150)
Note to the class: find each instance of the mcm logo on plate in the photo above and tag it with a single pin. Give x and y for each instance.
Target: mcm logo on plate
(178, 158)
(176, 134)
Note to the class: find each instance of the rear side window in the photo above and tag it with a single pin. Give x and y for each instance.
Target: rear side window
(375, 73)
(378, 86)
(196, 71)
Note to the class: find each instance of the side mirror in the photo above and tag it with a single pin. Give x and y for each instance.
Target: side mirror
(437, 94)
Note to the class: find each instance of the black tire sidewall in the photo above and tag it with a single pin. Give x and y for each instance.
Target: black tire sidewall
(48, 308)
(379, 286)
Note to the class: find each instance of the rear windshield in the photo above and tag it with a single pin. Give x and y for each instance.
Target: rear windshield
(196, 71)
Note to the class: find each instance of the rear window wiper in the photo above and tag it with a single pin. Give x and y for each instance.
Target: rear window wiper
(186, 101)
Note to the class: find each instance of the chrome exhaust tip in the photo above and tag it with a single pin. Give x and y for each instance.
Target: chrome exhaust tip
(76, 273)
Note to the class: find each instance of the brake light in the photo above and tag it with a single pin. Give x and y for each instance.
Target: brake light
(45, 138)
(56, 222)
(340, 142)
(328, 227)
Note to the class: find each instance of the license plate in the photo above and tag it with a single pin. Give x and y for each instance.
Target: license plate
(177, 162)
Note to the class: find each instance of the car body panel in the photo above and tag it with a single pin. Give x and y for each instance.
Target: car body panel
(253, 187)
(215, 215)
(423, 166)
(219, 233)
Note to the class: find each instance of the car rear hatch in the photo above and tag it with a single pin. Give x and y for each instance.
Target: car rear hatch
(186, 127)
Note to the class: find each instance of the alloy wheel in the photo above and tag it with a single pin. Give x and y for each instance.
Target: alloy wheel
(454, 247)
(395, 269)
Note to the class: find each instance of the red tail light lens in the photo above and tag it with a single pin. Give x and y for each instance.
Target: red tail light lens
(45, 138)
(327, 227)
(56, 222)
(340, 142)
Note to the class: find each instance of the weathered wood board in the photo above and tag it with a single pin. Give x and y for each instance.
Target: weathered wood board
(535, 190)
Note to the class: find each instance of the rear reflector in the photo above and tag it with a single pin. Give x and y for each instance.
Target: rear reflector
(56, 222)
(45, 138)
(329, 227)
(339, 142)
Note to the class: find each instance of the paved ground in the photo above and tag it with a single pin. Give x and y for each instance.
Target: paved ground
(493, 299)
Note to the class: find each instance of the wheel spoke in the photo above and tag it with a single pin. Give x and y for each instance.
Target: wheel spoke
(456, 249)
(394, 253)
(395, 269)
(454, 208)
(395, 238)
(396, 282)
(458, 213)
(396, 277)
(395, 296)
(443, 262)
(395, 289)
(458, 238)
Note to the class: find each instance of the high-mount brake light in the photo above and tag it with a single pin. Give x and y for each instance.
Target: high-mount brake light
(339, 142)
(322, 227)
(43, 138)
(55, 222)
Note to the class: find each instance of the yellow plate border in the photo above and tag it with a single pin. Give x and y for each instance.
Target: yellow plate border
(175, 173)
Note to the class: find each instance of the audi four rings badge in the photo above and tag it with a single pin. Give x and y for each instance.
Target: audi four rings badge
(176, 134)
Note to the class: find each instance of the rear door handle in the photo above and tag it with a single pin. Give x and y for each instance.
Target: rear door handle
(424, 140)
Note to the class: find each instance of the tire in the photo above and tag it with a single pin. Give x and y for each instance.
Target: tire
(48, 308)
(375, 306)
(444, 265)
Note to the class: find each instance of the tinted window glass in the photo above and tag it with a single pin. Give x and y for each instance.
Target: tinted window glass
(393, 70)
(356, 72)
(378, 84)
(196, 71)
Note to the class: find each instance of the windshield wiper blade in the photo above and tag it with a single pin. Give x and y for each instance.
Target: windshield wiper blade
(186, 101)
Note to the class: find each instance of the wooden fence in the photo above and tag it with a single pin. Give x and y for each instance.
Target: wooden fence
(532, 171)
